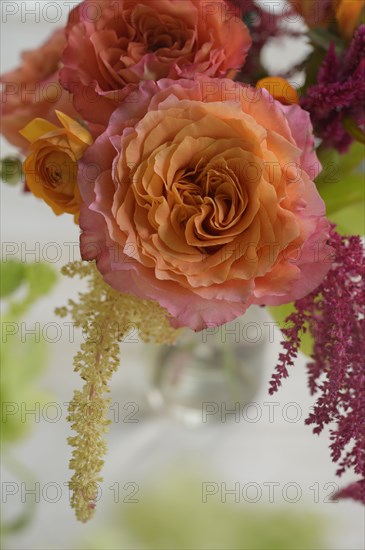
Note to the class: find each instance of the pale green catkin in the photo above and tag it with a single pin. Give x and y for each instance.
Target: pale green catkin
(106, 317)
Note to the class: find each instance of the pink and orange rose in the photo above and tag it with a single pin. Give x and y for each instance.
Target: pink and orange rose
(200, 195)
(114, 44)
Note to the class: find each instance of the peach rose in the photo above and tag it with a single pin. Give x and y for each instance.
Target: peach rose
(52, 164)
(33, 90)
(200, 195)
(116, 43)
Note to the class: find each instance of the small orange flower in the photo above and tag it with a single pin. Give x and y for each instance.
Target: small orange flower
(51, 166)
(322, 13)
(348, 15)
(280, 89)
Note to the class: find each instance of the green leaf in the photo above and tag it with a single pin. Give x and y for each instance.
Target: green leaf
(342, 188)
(348, 191)
(21, 361)
(351, 160)
(354, 130)
(344, 163)
(172, 514)
(311, 66)
(280, 314)
(12, 275)
(21, 364)
(11, 170)
(335, 166)
(41, 278)
(322, 38)
(350, 220)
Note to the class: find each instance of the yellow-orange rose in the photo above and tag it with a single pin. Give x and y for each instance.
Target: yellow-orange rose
(51, 166)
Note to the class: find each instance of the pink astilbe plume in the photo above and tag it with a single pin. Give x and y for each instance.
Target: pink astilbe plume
(339, 94)
(335, 316)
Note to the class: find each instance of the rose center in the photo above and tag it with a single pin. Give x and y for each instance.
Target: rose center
(59, 171)
(161, 38)
(157, 31)
(212, 200)
(212, 185)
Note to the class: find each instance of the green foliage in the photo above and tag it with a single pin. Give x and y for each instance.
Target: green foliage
(322, 38)
(21, 364)
(12, 274)
(36, 279)
(350, 220)
(342, 187)
(171, 514)
(21, 361)
(11, 170)
(354, 130)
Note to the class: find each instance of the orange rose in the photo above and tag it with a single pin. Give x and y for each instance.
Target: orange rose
(51, 167)
(33, 90)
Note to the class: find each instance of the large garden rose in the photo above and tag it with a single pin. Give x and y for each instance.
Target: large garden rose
(200, 195)
(33, 90)
(116, 43)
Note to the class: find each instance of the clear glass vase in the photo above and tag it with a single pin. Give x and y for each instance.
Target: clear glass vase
(211, 375)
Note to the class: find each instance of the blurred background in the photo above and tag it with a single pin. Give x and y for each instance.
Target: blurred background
(188, 466)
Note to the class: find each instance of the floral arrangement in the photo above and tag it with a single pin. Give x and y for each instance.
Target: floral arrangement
(203, 185)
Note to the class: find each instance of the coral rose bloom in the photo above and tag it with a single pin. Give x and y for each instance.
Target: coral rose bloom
(200, 195)
(115, 43)
(33, 90)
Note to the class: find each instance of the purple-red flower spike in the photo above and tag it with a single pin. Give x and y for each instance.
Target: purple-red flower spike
(335, 316)
(354, 491)
(339, 94)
